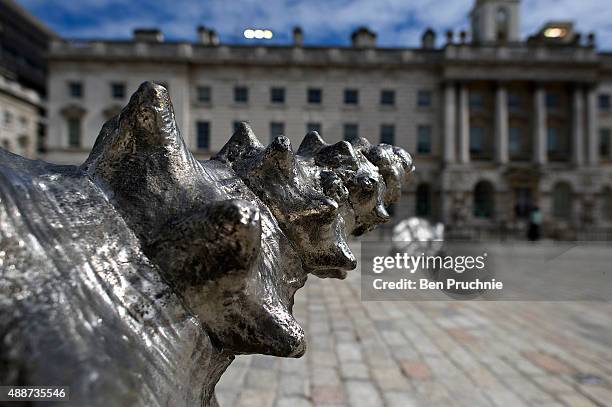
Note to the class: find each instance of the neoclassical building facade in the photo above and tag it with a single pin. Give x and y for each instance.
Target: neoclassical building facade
(497, 124)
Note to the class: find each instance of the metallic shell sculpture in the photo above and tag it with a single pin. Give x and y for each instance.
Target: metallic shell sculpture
(137, 277)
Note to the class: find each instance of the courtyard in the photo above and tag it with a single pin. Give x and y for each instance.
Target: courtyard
(432, 353)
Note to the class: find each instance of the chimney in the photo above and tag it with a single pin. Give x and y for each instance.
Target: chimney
(363, 38)
(298, 37)
(148, 35)
(214, 37)
(428, 39)
(449, 36)
(591, 40)
(207, 36)
(203, 35)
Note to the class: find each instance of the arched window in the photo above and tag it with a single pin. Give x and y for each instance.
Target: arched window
(484, 203)
(423, 200)
(607, 203)
(562, 201)
(502, 24)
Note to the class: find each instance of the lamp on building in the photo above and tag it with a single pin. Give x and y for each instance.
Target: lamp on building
(555, 32)
(258, 34)
(463, 36)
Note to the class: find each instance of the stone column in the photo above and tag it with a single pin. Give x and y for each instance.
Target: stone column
(464, 124)
(501, 124)
(540, 126)
(450, 112)
(592, 126)
(578, 126)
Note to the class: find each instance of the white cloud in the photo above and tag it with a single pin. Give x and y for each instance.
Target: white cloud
(397, 22)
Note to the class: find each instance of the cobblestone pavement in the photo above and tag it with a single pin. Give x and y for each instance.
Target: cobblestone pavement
(402, 354)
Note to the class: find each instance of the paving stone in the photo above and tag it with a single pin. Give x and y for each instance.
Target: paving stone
(294, 385)
(390, 378)
(416, 370)
(550, 363)
(400, 399)
(293, 402)
(328, 395)
(553, 384)
(321, 376)
(255, 398)
(349, 352)
(578, 400)
(226, 398)
(363, 394)
(323, 358)
(430, 354)
(354, 370)
(261, 379)
(599, 394)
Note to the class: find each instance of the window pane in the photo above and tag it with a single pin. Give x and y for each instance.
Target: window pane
(604, 143)
(562, 201)
(387, 97)
(277, 95)
(118, 90)
(351, 97)
(514, 101)
(476, 100)
(424, 139)
(74, 133)
(483, 200)
(424, 98)
(552, 140)
(276, 129)
(387, 134)
(313, 127)
(476, 140)
(553, 100)
(604, 101)
(514, 140)
(315, 95)
(204, 95)
(75, 89)
(241, 94)
(351, 131)
(203, 134)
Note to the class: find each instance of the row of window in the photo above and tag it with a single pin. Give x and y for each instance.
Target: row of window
(117, 90)
(350, 131)
(483, 204)
(351, 96)
(8, 119)
(314, 96)
(555, 142)
(516, 141)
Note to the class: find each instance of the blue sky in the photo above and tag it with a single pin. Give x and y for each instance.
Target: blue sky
(397, 22)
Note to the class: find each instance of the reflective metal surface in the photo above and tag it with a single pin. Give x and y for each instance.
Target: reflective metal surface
(138, 276)
(417, 235)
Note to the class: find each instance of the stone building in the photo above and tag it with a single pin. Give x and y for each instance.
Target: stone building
(497, 124)
(23, 73)
(20, 118)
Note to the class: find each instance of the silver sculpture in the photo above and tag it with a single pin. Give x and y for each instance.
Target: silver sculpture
(137, 277)
(416, 235)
